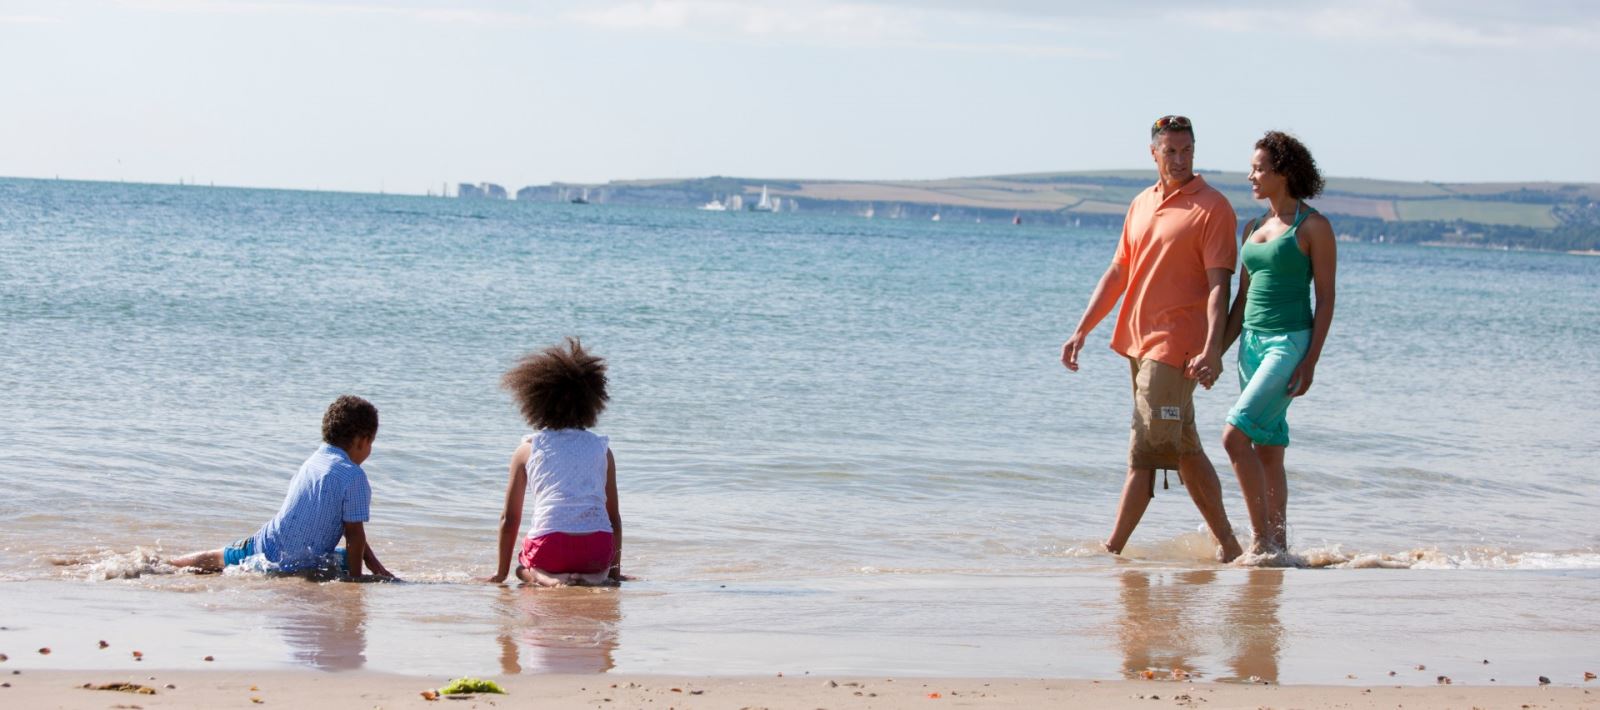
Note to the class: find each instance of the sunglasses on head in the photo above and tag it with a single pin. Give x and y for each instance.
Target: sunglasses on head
(1170, 122)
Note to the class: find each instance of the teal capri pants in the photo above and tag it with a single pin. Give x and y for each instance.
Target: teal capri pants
(1266, 362)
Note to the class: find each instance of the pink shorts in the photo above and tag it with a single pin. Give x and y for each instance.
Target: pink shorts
(560, 553)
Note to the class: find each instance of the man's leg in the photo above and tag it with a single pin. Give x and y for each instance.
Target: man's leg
(1201, 479)
(1135, 498)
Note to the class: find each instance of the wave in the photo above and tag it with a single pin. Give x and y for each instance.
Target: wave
(1484, 558)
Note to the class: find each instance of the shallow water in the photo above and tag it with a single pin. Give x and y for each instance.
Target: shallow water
(798, 401)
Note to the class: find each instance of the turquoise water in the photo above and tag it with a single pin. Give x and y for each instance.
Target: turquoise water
(791, 394)
(825, 407)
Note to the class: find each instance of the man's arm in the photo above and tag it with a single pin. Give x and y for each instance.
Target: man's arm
(1112, 283)
(1207, 366)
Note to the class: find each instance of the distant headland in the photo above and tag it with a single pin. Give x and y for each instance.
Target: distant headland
(1509, 215)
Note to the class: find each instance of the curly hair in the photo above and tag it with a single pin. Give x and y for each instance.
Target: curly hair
(1291, 159)
(559, 388)
(347, 419)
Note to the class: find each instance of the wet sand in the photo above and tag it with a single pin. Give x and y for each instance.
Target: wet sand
(1353, 628)
(310, 690)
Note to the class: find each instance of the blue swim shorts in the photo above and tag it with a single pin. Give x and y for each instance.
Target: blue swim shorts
(244, 549)
(237, 552)
(1266, 362)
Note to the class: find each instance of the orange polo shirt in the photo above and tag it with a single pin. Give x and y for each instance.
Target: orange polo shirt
(1169, 239)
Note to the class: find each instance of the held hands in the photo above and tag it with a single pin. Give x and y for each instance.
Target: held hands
(1204, 368)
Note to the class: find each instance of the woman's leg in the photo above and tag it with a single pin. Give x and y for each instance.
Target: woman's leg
(1248, 467)
(1277, 496)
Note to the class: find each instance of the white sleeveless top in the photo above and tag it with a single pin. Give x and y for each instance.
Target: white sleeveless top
(567, 476)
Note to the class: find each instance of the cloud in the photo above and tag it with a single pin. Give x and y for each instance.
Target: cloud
(27, 19)
(824, 22)
(1461, 25)
(447, 12)
(1069, 26)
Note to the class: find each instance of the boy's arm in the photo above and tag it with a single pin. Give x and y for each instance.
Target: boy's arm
(355, 547)
(371, 558)
(614, 511)
(511, 516)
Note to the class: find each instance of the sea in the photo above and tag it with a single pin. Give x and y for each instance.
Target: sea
(843, 445)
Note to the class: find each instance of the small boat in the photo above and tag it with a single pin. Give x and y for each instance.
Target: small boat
(582, 199)
(1016, 218)
(766, 204)
(715, 205)
(936, 217)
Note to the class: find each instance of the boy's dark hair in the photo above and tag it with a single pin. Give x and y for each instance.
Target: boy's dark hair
(559, 388)
(347, 419)
(1291, 159)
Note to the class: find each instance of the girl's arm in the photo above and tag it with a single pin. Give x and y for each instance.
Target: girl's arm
(1235, 325)
(1323, 250)
(614, 511)
(511, 518)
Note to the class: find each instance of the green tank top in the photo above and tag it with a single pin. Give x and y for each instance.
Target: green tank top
(1280, 281)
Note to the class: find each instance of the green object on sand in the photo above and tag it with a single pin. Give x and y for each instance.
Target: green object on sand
(462, 686)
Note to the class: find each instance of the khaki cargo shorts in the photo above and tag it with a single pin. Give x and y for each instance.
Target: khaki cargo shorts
(1163, 416)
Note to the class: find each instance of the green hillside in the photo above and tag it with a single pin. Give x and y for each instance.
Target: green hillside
(1534, 215)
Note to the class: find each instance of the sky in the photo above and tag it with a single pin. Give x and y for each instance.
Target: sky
(407, 95)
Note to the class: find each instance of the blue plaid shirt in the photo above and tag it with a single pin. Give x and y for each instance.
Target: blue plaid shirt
(329, 491)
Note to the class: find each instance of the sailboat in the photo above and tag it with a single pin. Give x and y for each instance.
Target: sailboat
(765, 204)
(582, 199)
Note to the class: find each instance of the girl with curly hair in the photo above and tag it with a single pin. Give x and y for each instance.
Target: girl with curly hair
(1287, 254)
(576, 534)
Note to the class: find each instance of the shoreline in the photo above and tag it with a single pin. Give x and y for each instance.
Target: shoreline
(314, 690)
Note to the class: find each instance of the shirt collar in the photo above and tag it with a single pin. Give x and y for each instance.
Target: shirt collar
(1189, 188)
(336, 451)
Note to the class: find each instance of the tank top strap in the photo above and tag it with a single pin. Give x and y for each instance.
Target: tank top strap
(1301, 212)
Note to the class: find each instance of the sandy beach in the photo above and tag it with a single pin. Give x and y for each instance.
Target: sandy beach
(310, 690)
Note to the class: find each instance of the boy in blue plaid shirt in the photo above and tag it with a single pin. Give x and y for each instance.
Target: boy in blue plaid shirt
(327, 499)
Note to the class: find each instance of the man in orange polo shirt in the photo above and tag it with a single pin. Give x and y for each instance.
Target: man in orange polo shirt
(1173, 264)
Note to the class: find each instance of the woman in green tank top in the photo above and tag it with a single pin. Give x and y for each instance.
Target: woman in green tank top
(1286, 254)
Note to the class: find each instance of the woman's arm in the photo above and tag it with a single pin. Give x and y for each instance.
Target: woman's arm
(1322, 248)
(1235, 326)
(511, 517)
(614, 511)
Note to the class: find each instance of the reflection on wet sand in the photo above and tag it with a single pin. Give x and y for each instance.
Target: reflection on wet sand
(1252, 626)
(568, 630)
(1184, 621)
(324, 623)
